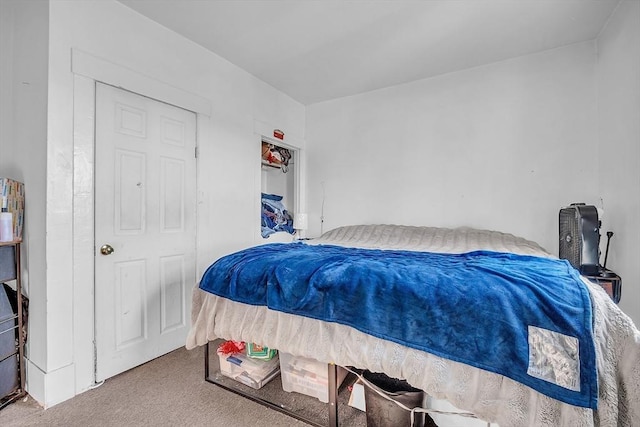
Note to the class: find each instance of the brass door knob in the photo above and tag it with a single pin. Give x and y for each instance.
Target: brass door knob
(106, 250)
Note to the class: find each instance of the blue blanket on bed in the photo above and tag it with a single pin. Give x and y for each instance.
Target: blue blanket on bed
(477, 308)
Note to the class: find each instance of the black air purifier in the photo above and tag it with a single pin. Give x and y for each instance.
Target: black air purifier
(580, 237)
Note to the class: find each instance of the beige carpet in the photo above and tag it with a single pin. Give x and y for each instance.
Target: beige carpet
(168, 391)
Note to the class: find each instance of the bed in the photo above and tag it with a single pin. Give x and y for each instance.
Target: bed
(585, 373)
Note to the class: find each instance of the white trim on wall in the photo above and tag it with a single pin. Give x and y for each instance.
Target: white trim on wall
(98, 69)
(83, 230)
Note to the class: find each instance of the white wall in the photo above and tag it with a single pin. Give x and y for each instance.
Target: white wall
(503, 146)
(23, 133)
(6, 84)
(228, 164)
(619, 146)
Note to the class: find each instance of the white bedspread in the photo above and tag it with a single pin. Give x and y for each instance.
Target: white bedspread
(489, 396)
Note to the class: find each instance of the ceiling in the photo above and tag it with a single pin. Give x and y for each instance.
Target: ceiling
(316, 50)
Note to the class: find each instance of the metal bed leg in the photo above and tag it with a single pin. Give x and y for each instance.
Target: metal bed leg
(333, 395)
(206, 361)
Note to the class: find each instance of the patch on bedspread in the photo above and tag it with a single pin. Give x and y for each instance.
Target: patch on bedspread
(502, 312)
(554, 357)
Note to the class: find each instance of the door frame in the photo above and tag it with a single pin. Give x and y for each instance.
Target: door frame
(87, 70)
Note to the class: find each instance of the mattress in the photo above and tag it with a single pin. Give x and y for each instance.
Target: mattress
(489, 396)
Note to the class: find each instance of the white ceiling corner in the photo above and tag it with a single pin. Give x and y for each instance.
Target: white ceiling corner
(316, 50)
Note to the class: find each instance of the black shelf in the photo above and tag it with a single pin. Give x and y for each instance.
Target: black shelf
(10, 271)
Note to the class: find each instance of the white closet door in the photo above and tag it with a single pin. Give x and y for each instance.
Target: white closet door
(145, 192)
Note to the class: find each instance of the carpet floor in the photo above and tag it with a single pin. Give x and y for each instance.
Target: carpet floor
(168, 391)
